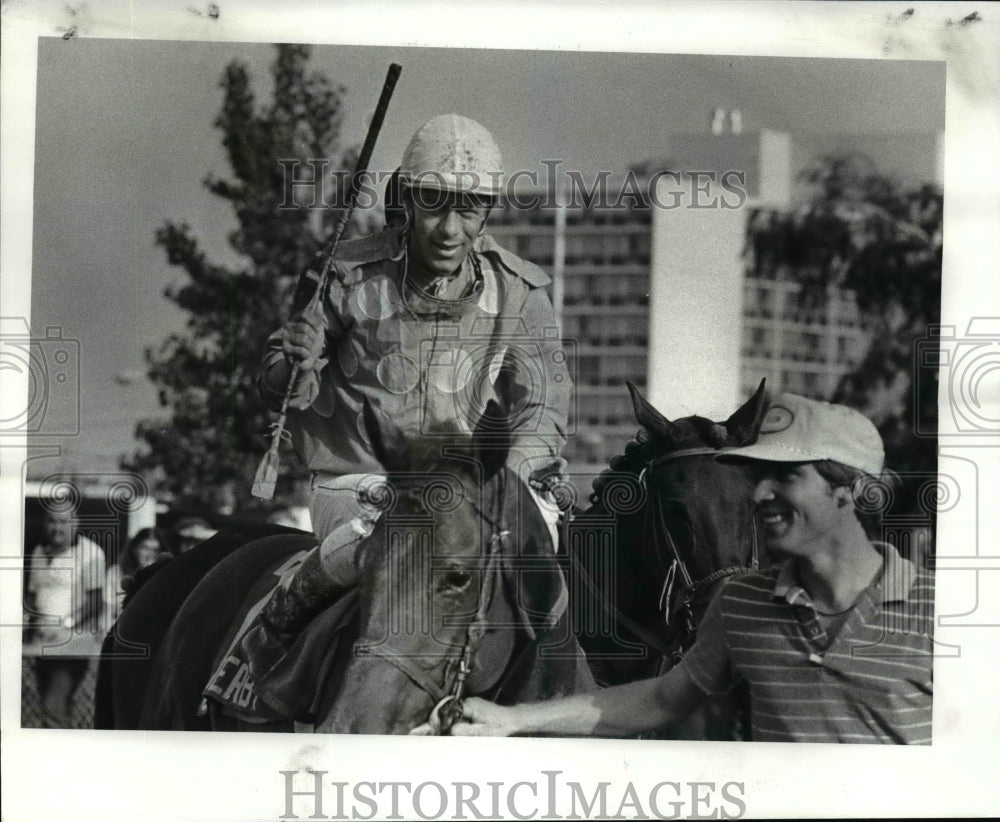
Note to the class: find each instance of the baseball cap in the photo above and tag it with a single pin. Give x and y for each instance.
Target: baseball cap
(797, 429)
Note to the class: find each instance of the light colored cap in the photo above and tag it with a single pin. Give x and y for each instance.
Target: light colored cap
(797, 429)
(453, 153)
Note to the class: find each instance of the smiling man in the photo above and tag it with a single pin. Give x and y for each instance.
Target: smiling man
(65, 600)
(835, 642)
(424, 323)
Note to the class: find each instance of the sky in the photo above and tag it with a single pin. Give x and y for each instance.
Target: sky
(125, 136)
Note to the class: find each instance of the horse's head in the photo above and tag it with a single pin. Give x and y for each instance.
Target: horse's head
(697, 518)
(705, 506)
(420, 575)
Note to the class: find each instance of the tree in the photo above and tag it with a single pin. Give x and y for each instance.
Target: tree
(862, 231)
(218, 428)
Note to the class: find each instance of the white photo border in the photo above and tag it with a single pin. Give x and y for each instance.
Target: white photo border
(80, 775)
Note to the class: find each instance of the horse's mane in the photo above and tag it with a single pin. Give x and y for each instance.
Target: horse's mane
(644, 447)
(637, 453)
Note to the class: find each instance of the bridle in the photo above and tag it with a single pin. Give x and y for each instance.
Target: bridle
(447, 697)
(691, 591)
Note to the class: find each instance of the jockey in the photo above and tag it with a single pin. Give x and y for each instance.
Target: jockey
(423, 323)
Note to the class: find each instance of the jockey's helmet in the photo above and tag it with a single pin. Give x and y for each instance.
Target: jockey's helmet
(455, 154)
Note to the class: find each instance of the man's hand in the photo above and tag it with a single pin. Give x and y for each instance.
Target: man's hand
(478, 718)
(549, 477)
(482, 718)
(304, 339)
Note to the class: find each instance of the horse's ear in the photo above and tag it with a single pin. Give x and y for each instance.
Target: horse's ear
(492, 438)
(744, 425)
(651, 419)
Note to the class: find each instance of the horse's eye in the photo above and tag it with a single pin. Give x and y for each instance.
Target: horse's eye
(455, 579)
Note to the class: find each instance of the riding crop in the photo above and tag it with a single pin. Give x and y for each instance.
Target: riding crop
(267, 471)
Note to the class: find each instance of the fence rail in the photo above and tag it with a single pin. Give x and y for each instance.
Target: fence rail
(33, 714)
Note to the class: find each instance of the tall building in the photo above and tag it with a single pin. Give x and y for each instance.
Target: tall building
(607, 260)
(800, 341)
(603, 310)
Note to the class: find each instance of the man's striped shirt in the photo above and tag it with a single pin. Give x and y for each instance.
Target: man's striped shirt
(870, 682)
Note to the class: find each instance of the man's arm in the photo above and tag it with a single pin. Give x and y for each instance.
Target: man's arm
(28, 607)
(624, 710)
(539, 410)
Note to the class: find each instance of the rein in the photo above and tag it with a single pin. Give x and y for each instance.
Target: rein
(691, 590)
(647, 636)
(447, 709)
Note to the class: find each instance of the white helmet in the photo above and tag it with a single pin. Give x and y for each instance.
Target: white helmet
(453, 153)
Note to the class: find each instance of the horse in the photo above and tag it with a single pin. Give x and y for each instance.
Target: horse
(668, 524)
(458, 592)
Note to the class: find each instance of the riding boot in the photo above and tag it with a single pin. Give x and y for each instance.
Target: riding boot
(301, 596)
(325, 573)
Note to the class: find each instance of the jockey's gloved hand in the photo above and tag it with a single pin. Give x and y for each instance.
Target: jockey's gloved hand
(304, 338)
(304, 342)
(549, 477)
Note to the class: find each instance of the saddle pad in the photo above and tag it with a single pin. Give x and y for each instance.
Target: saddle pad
(260, 678)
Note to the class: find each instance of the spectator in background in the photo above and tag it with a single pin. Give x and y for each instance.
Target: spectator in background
(148, 546)
(63, 605)
(189, 531)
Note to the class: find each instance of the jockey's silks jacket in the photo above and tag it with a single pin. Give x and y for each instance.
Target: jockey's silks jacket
(426, 365)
